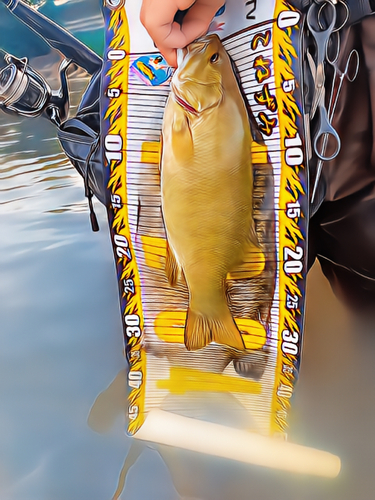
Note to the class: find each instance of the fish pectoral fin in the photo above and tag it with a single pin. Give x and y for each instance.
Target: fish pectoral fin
(172, 267)
(201, 330)
(252, 265)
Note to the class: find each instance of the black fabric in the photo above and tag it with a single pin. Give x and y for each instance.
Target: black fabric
(342, 231)
(359, 9)
(80, 139)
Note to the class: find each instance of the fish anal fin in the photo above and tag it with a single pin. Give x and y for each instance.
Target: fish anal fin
(172, 268)
(252, 265)
(201, 330)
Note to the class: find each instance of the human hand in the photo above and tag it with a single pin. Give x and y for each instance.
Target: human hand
(157, 16)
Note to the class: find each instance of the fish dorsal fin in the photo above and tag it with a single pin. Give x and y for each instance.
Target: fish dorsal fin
(254, 127)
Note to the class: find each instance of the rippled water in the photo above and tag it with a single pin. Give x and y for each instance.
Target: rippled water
(61, 346)
(61, 338)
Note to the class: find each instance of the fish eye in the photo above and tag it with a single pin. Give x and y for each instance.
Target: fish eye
(158, 59)
(214, 57)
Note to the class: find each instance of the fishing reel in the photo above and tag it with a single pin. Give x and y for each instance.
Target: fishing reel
(25, 92)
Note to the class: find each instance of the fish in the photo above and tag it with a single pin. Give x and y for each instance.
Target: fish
(207, 190)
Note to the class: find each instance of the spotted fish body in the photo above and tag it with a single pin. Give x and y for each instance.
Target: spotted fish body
(207, 190)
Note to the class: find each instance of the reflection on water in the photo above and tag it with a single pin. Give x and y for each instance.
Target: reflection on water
(332, 409)
(32, 161)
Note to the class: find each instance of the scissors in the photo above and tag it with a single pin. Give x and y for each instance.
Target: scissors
(350, 73)
(321, 37)
(339, 4)
(325, 128)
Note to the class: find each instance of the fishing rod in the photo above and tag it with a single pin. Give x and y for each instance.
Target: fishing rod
(25, 92)
(22, 89)
(56, 36)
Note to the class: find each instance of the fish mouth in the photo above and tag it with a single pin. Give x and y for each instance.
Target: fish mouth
(184, 104)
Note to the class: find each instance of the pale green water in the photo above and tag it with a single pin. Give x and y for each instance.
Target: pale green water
(61, 345)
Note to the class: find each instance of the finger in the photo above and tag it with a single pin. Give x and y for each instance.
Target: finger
(167, 34)
(158, 17)
(194, 24)
(170, 55)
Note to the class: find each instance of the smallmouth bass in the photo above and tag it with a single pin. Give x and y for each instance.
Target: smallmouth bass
(207, 190)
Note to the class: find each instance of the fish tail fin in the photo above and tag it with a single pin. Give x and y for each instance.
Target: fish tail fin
(197, 331)
(200, 330)
(225, 331)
